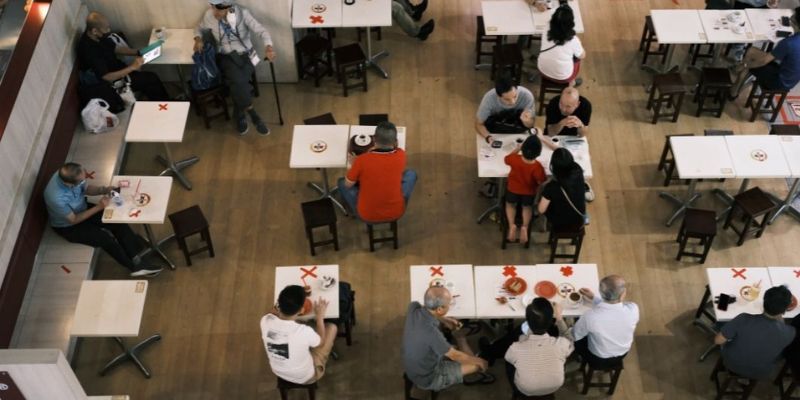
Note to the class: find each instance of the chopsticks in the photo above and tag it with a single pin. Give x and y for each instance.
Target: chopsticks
(136, 193)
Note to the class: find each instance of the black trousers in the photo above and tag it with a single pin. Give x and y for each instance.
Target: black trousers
(149, 84)
(118, 240)
(237, 71)
(582, 348)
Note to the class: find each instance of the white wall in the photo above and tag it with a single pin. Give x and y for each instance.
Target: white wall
(31, 121)
(137, 18)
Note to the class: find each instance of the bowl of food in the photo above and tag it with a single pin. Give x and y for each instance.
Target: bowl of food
(327, 282)
(749, 293)
(545, 289)
(515, 286)
(565, 289)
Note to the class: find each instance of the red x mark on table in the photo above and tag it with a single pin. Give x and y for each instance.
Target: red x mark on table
(134, 213)
(90, 175)
(510, 271)
(162, 107)
(316, 19)
(739, 273)
(308, 272)
(566, 270)
(437, 271)
(797, 273)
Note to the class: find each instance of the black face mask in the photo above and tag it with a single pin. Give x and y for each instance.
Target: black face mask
(105, 35)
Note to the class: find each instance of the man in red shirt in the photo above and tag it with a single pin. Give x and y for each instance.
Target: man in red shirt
(378, 185)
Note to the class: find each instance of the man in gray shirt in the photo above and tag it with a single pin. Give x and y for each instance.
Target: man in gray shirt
(752, 345)
(232, 28)
(506, 104)
(429, 360)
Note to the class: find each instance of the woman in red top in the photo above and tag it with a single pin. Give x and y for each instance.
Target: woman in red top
(523, 181)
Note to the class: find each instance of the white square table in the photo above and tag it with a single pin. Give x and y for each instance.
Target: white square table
(767, 21)
(731, 281)
(457, 279)
(697, 157)
(157, 190)
(541, 19)
(164, 122)
(675, 27)
(574, 276)
(791, 151)
(718, 28)
(311, 275)
(317, 13)
(491, 164)
(323, 147)
(789, 276)
(366, 14)
(578, 146)
(113, 309)
(177, 50)
(370, 131)
(489, 286)
(507, 17)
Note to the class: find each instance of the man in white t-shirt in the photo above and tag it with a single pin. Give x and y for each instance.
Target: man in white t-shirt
(296, 352)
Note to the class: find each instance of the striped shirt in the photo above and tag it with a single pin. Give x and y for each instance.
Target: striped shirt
(539, 360)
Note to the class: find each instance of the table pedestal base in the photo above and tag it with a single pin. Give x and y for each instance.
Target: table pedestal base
(155, 245)
(497, 206)
(682, 204)
(372, 59)
(786, 204)
(326, 192)
(131, 355)
(174, 167)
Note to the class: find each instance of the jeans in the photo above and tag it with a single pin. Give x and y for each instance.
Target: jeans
(582, 348)
(401, 14)
(350, 195)
(237, 71)
(149, 84)
(118, 240)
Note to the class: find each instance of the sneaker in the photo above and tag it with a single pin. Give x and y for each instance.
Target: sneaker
(261, 127)
(578, 81)
(241, 126)
(425, 30)
(418, 10)
(147, 272)
(589, 192)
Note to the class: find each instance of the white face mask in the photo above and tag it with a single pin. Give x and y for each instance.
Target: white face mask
(231, 18)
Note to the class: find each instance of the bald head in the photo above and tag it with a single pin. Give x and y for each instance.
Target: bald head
(437, 297)
(612, 288)
(569, 101)
(97, 25)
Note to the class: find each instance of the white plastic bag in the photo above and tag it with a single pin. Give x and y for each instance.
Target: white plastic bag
(123, 87)
(96, 117)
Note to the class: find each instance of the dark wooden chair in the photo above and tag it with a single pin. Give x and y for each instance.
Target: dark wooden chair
(375, 239)
(519, 396)
(648, 38)
(762, 101)
(696, 52)
(350, 61)
(376, 30)
(715, 85)
(314, 57)
(324, 119)
(211, 104)
(667, 92)
(480, 38)
(507, 57)
(697, 224)
(317, 214)
(785, 373)
(667, 161)
(547, 86)
(751, 203)
(186, 223)
(778, 129)
(573, 234)
(372, 119)
(408, 385)
(588, 371)
(285, 386)
(731, 385)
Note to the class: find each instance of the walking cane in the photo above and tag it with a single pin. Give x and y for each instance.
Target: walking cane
(275, 86)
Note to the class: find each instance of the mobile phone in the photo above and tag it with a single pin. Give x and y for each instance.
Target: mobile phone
(496, 144)
(785, 21)
(783, 34)
(724, 300)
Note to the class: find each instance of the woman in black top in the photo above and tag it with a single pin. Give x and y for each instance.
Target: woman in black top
(567, 186)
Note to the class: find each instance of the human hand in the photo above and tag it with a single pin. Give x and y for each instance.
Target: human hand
(488, 139)
(557, 310)
(137, 63)
(198, 45)
(587, 293)
(269, 52)
(104, 201)
(320, 306)
(526, 117)
(540, 5)
(482, 364)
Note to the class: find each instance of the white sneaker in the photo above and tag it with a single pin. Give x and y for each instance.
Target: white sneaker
(589, 192)
(148, 272)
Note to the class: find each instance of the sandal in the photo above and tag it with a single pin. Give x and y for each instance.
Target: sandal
(482, 378)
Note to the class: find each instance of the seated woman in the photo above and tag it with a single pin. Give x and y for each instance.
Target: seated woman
(563, 200)
(561, 52)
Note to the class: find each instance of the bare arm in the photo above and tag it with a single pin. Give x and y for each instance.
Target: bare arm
(113, 76)
(543, 204)
(348, 183)
(319, 316)
(464, 358)
(126, 51)
(86, 214)
(482, 131)
(755, 58)
(720, 339)
(92, 190)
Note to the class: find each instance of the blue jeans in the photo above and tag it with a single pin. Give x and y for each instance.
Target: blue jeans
(350, 195)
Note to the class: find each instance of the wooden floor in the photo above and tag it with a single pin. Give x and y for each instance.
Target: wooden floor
(208, 314)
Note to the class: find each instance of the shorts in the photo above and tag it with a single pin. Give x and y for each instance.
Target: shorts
(320, 359)
(768, 76)
(522, 199)
(447, 373)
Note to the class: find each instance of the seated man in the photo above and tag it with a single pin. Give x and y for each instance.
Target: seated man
(232, 28)
(79, 222)
(378, 185)
(428, 359)
(404, 14)
(296, 352)
(99, 65)
(568, 114)
(535, 364)
(779, 69)
(507, 108)
(604, 334)
(752, 344)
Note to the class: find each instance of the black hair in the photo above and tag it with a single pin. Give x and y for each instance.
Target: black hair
(531, 147)
(796, 16)
(562, 25)
(539, 315)
(777, 300)
(69, 171)
(291, 299)
(385, 134)
(503, 84)
(567, 172)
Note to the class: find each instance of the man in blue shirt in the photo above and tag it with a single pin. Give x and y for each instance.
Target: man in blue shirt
(80, 222)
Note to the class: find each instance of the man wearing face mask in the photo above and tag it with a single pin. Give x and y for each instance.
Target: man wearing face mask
(98, 61)
(80, 222)
(232, 28)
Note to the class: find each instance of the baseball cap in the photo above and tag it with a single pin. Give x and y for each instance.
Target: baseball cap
(221, 2)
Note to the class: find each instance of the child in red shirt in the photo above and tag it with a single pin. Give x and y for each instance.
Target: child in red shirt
(523, 181)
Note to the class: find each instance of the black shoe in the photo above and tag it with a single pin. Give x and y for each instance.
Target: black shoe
(261, 127)
(418, 10)
(241, 125)
(484, 350)
(578, 82)
(425, 30)
(148, 272)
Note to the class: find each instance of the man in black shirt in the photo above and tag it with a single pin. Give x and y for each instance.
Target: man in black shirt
(97, 57)
(568, 114)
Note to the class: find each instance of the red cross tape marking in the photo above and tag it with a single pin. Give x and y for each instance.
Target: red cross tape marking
(739, 273)
(307, 272)
(437, 271)
(797, 273)
(162, 107)
(510, 271)
(566, 270)
(316, 19)
(90, 174)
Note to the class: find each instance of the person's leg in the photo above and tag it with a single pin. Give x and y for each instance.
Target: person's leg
(511, 371)
(130, 242)
(406, 5)
(404, 19)
(237, 71)
(92, 235)
(511, 217)
(582, 348)
(349, 195)
(497, 349)
(321, 353)
(527, 214)
(408, 183)
(149, 84)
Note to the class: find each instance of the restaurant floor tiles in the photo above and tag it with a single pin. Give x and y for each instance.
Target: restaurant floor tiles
(208, 314)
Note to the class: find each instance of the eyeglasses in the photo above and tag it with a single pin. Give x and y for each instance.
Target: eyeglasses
(222, 6)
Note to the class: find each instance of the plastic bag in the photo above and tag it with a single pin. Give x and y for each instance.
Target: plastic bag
(96, 117)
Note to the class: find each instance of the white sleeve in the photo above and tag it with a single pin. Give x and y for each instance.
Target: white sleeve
(577, 47)
(311, 335)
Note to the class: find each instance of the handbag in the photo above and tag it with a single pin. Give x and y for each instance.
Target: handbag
(584, 215)
(205, 73)
(96, 117)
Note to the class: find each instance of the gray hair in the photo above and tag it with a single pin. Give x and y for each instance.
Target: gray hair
(385, 134)
(436, 297)
(612, 287)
